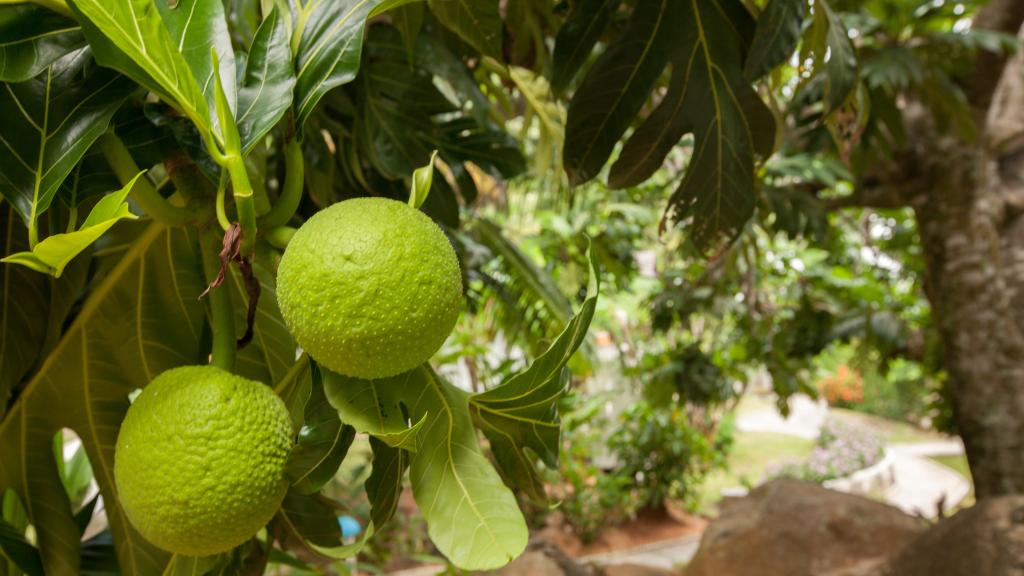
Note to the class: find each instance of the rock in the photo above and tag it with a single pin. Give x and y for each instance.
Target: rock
(544, 559)
(636, 570)
(793, 528)
(986, 539)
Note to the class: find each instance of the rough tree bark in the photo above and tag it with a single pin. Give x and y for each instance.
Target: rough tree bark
(967, 200)
(973, 248)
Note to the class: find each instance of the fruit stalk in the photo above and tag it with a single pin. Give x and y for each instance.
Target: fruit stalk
(244, 205)
(280, 236)
(143, 193)
(291, 192)
(222, 313)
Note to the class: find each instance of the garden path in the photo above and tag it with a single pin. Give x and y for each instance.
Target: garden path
(920, 483)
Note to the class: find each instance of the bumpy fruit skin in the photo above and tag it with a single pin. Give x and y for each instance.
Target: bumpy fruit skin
(370, 287)
(200, 460)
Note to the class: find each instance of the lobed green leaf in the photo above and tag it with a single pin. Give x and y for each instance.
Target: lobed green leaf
(54, 253)
(521, 414)
(616, 88)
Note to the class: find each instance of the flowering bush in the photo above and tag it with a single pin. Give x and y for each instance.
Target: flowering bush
(844, 388)
(841, 450)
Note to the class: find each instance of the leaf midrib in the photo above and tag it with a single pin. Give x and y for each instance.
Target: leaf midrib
(451, 461)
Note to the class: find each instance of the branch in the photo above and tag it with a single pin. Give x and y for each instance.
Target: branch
(875, 191)
(1004, 16)
(857, 200)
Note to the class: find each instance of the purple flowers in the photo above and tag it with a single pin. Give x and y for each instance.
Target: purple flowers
(841, 450)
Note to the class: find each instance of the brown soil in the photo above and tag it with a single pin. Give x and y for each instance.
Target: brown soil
(651, 525)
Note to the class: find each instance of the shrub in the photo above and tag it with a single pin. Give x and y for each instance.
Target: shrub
(591, 494)
(665, 457)
(653, 456)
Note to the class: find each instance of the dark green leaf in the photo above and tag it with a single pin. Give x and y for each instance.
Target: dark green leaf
(141, 318)
(267, 85)
(384, 486)
(322, 444)
(31, 38)
(148, 144)
(616, 88)
(14, 546)
(330, 48)
(522, 413)
(710, 97)
(441, 203)
(48, 123)
(478, 22)
(99, 556)
(409, 20)
(778, 31)
(307, 520)
(197, 27)
(180, 565)
(403, 115)
(295, 390)
(577, 38)
(490, 148)
(23, 309)
(84, 516)
(841, 65)
(134, 39)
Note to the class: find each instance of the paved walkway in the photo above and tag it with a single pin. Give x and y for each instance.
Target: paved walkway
(667, 554)
(805, 418)
(921, 483)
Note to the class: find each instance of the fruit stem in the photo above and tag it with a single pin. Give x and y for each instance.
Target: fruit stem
(143, 193)
(222, 216)
(291, 192)
(221, 311)
(280, 236)
(244, 204)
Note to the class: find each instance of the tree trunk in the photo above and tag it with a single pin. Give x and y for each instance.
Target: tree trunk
(974, 251)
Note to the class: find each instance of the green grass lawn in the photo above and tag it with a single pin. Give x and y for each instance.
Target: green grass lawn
(891, 431)
(957, 463)
(752, 455)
